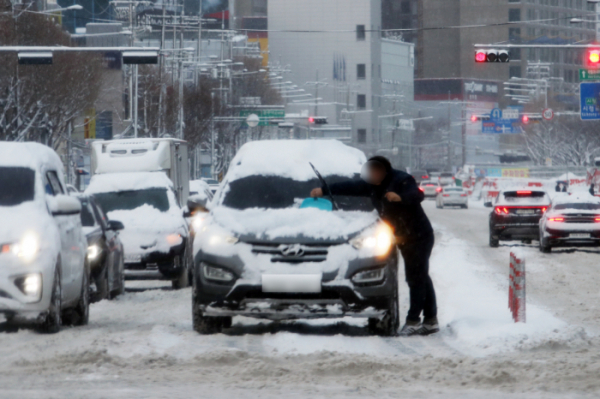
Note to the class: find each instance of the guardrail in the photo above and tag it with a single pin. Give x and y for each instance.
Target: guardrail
(516, 287)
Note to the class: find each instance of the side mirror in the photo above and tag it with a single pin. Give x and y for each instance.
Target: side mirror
(63, 205)
(488, 204)
(197, 203)
(115, 225)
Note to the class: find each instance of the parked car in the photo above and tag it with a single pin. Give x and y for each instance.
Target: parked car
(572, 220)
(44, 276)
(452, 196)
(430, 188)
(420, 175)
(516, 215)
(200, 188)
(104, 251)
(144, 183)
(267, 251)
(446, 178)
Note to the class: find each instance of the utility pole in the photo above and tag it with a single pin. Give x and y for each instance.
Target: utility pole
(180, 133)
(197, 75)
(160, 73)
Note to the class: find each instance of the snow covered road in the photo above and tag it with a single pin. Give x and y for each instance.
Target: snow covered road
(143, 345)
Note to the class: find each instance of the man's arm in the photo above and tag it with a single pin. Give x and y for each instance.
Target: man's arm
(352, 188)
(408, 190)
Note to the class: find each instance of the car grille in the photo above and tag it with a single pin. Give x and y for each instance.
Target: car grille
(292, 253)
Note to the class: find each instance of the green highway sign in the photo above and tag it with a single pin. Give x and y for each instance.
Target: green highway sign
(264, 114)
(589, 74)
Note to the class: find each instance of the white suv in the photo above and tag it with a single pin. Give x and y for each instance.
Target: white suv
(43, 267)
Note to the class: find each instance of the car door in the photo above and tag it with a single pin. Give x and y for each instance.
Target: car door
(72, 262)
(111, 246)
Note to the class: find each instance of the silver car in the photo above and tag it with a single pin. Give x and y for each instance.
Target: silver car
(430, 188)
(452, 196)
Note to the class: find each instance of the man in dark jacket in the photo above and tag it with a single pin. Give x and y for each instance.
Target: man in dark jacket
(397, 198)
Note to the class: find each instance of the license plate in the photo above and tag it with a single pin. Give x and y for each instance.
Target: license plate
(579, 235)
(525, 211)
(292, 283)
(133, 258)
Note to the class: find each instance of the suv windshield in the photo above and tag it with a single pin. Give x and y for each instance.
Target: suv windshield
(579, 206)
(128, 200)
(17, 185)
(276, 192)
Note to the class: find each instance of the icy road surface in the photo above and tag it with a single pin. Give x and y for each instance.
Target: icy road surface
(143, 346)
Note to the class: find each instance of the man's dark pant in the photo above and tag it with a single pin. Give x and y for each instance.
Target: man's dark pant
(416, 265)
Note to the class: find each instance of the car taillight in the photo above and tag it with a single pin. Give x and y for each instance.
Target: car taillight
(559, 219)
(500, 210)
(446, 195)
(597, 219)
(464, 195)
(544, 209)
(524, 192)
(425, 177)
(422, 189)
(439, 189)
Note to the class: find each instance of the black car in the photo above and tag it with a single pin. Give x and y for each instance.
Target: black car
(104, 253)
(516, 215)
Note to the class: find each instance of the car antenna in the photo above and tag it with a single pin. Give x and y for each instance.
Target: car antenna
(324, 183)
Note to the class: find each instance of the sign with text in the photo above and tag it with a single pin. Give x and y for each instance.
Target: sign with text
(589, 101)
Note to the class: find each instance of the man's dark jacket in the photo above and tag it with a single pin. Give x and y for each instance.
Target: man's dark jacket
(406, 217)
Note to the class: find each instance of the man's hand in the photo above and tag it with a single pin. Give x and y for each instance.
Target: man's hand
(393, 197)
(316, 192)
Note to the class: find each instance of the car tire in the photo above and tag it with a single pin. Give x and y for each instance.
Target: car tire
(206, 325)
(494, 242)
(120, 290)
(182, 279)
(101, 282)
(465, 206)
(544, 247)
(80, 314)
(52, 321)
(389, 324)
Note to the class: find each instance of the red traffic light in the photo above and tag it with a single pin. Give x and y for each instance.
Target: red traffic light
(525, 119)
(594, 56)
(480, 56)
(474, 118)
(311, 120)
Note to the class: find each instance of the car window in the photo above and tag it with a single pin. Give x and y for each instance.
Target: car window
(55, 185)
(87, 216)
(454, 190)
(582, 206)
(17, 185)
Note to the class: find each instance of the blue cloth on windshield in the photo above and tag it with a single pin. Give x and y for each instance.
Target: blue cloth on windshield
(319, 203)
(406, 217)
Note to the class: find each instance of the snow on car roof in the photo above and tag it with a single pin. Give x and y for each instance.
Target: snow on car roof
(127, 182)
(579, 198)
(290, 158)
(28, 154)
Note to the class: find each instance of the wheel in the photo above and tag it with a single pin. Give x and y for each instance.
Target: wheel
(465, 206)
(121, 287)
(494, 241)
(544, 247)
(206, 324)
(80, 314)
(388, 326)
(101, 283)
(52, 322)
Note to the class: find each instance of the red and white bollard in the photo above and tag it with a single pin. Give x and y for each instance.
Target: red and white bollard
(516, 287)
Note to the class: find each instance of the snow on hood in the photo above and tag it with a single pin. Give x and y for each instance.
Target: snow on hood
(289, 158)
(106, 183)
(147, 226)
(293, 222)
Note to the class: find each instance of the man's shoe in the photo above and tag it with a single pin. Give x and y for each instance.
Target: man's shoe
(410, 328)
(429, 326)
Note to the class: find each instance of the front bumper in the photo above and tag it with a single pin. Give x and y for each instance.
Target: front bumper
(339, 296)
(154, 265)
(564, 238)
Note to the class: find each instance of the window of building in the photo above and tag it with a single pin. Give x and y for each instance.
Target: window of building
(361, 101)
(361, 71)
(514, 72)
(360, 32)
(361, 135)
(405, 7)
(514, 14)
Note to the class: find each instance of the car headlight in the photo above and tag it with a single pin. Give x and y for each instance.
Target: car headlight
(93, 252)
(369, 276)
(198, 222)
(217, 274)
(378, 239)
(27, 248)
(174, 239)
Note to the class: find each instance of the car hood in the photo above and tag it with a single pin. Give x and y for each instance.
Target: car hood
(28, 217)
(293, 224)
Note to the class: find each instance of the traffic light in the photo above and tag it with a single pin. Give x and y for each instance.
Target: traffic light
(477, 118)
(491, 56)
(525, 119)
(317, 120)
(531, 118)
(593, 58)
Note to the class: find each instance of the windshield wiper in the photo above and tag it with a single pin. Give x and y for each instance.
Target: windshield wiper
(324, 183)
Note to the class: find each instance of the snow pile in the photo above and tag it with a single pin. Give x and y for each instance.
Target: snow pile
(290, 158)
(107, 183)
(293, 222)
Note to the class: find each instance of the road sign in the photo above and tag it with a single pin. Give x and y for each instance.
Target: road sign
(264, 114)
(589, 74)
(502, 121)
(548, 114)
(589, 101)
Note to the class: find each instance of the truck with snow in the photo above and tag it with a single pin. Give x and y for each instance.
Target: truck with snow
(145, 184)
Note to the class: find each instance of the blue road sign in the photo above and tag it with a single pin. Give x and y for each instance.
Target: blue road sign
(589, 101)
